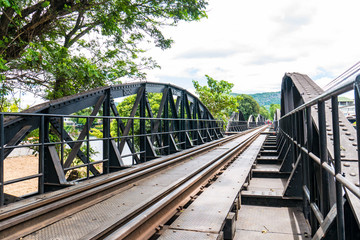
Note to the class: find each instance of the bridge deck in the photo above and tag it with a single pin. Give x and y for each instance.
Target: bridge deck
(87, 222)
(262, 222)
(209, 211)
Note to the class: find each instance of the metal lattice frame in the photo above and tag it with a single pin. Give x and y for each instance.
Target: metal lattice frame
(322, 160)
(237, 122)
(181, 122)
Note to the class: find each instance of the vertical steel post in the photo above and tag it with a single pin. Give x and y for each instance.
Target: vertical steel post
(303, 161)
(182, 121)
(339, 191)
(142, 127)
(62, 141)
(2, 156)
(324, 181)
(357, 111)
(88, 148)
(106, 132)
(292, 131)
(310, 165)
(42, 132)
(166, 137)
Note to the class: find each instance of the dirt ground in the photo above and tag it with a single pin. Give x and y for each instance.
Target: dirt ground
(17, 167)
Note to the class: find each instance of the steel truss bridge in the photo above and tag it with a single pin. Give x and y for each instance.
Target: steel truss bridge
(165, 168)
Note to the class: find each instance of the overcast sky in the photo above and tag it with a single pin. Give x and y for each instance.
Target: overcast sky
(253, 43)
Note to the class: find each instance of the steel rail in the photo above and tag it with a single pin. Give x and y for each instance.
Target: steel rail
(162, 207)
(54, 206)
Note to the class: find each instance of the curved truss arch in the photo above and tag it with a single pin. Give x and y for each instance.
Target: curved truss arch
(181, 122)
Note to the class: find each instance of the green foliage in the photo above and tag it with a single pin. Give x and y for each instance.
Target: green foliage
(216, 97)
(248, 106)
(63, 47)
(124, 108)
(273, 108)
(9, 105)
(265, 98)
(264, 112)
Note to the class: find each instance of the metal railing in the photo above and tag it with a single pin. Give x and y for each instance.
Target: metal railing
(239, 126)
(144, 138)
(316, 178)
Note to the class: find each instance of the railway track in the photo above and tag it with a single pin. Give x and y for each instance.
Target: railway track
(139, 214)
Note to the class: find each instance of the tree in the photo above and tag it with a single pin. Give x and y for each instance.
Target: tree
(67, 46)
(273, 108)
(264, 112)
(216, 97)
(248, 106)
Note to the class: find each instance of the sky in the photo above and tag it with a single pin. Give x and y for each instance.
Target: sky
(252, 44)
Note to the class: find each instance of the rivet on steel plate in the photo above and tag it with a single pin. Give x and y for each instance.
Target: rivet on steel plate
(353, 174)
(346, 164)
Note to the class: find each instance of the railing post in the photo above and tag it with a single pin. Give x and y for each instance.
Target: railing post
(324, 181)
(166, 137)
(106, 132)
(88, 148)
(339, 191)
(143, 127)
(310, 166)
(182, 120)
(357, 111)
(42, 132)
(304, 168)
(2, 155)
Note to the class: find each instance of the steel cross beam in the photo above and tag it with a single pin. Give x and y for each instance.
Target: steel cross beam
(181, 122)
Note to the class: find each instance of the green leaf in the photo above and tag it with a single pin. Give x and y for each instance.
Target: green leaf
(5, 3)
(45, 4)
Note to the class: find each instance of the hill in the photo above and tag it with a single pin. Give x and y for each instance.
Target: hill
(265, 98)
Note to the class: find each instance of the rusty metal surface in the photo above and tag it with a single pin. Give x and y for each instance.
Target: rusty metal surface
(258, 222)
(79, 224)
(210, 209)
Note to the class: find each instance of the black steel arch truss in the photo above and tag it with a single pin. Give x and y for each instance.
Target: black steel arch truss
(318, 148)
(180, 122)
(237, 122)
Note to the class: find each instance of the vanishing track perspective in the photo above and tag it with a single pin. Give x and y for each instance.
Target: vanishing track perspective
(129, 204)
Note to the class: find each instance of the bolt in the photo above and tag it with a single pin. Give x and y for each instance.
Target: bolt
(346, 164)
(353, 174)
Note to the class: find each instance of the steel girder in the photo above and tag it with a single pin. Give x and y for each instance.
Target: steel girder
(312, 133)
(237, 122)
(181, 122)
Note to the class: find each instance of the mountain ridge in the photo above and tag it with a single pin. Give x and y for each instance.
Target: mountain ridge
(265, 98)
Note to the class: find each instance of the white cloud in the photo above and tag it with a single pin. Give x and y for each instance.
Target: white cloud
(253, 43)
